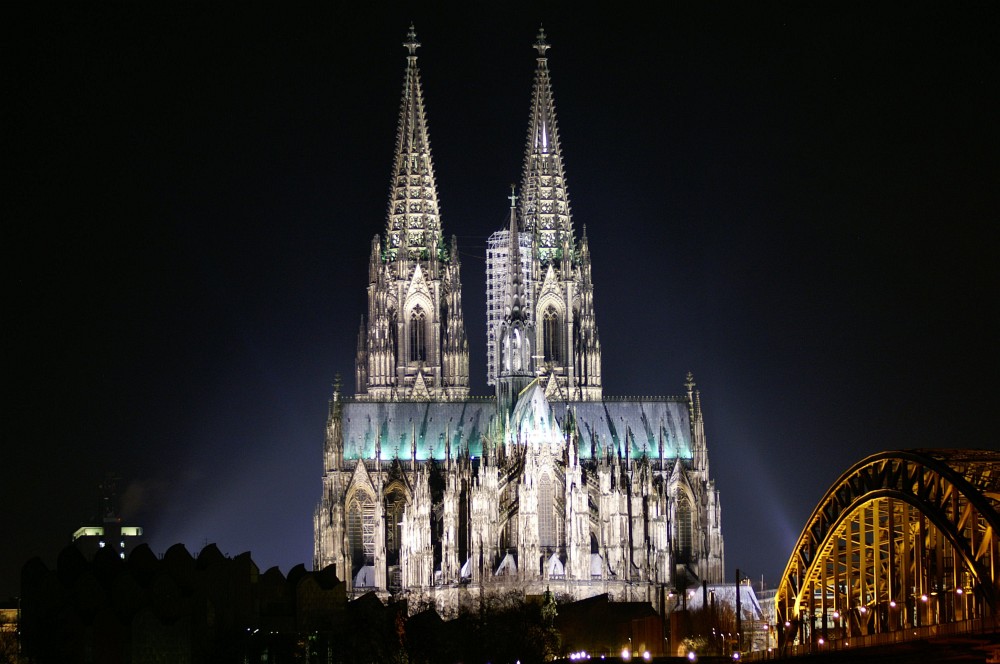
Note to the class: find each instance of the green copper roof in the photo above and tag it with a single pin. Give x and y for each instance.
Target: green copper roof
(603, 425)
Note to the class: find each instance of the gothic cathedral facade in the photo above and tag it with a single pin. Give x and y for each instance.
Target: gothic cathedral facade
(433, 494)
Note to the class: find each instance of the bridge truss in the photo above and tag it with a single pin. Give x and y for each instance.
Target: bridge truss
(903, 540)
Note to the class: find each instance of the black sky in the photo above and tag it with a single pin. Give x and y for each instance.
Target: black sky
(796, 202)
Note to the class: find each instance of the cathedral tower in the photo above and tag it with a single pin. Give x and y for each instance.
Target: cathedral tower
(413, 345)
(569, 351)
(556, 269)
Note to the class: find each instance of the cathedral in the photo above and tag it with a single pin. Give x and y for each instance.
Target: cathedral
(433, 494)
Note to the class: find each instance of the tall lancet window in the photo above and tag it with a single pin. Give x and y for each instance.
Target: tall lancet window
(418, 336)
(393, 335)
(515, 350)
(395, 503)
(361, 531)
(684, 528)
(546, 514)
(550, 335)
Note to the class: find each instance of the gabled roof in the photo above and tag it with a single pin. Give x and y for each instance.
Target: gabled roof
(725, 593)
(533, 411)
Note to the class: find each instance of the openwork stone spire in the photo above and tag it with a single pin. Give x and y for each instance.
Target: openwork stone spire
(516, 300)
(414, 225)
(545, 208)
(414, 346)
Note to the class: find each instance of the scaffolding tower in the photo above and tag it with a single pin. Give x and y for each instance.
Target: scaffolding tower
(496, 291)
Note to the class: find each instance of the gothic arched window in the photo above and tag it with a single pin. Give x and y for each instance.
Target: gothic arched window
(361, 531)
(418, 336)
(546, 514)
(550, 335)
(395, 502)
(393, 335)
(684, 527)
(515, 350)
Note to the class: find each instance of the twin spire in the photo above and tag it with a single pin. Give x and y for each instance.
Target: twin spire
(415, 333)
(414, 224)
(545, 208)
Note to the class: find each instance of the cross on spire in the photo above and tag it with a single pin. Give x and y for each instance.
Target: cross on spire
(541, 45)
(411, 44)
(513, 196)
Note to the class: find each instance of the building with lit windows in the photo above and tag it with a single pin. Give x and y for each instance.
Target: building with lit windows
(108, 529)
(431, 493)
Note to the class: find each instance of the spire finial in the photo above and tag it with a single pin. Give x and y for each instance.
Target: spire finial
(541, 45)
(411, 44)
(513, 196)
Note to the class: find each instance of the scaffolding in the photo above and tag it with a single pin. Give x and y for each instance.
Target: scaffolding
(496, 291)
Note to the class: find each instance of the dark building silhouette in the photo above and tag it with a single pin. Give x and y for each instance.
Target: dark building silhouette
(598, 625)
(212, 608)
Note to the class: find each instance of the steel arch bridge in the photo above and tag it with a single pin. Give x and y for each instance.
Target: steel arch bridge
(901, 545)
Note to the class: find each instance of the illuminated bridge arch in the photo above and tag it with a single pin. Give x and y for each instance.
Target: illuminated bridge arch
(901, 545)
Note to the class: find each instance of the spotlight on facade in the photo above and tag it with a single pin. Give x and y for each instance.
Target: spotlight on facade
(646, 656)
(692, 656)
(626, 655)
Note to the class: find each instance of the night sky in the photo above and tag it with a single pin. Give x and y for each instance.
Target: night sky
(796, 202)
